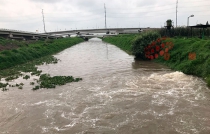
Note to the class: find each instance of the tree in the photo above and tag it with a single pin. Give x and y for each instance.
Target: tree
(207, 23)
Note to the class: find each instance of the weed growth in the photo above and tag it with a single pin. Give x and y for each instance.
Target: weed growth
(50, 82)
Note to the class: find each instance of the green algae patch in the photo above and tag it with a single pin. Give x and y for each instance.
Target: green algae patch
(46, 81)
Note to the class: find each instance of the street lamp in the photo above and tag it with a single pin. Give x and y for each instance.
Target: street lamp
(188, 19)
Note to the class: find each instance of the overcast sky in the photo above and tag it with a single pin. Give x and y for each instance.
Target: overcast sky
(26, 15)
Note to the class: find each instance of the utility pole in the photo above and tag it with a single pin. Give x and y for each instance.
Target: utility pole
(176, 11)
(43, 20)
(105, 14)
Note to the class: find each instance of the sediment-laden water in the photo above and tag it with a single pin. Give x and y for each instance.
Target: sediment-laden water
(116, 95)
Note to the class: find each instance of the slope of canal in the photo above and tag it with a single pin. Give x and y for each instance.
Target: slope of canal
(116, 95)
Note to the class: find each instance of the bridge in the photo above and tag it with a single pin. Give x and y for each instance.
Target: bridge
(90, 33)
(84, 33)
(104, 30)
(23, 35)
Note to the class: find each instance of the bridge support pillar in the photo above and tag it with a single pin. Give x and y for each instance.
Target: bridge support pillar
(10, 35)
(33, 38)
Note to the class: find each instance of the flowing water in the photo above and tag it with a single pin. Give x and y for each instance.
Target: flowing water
(117, 95)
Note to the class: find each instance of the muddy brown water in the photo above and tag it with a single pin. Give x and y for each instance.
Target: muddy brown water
(117, 95)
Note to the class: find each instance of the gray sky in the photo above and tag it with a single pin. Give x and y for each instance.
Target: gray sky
(85, 14)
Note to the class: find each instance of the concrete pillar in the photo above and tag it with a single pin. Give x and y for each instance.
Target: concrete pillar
(33, 37)
(10, 35)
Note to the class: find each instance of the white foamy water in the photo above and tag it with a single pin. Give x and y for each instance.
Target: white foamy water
(116, 95)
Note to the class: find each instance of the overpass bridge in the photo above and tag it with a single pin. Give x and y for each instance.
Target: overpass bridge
(85, 33)
(90, 33)
(23, 35)
(103, 30)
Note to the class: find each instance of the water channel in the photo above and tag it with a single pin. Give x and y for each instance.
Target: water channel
(117, 95)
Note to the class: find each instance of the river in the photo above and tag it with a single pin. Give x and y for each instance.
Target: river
(117, 95)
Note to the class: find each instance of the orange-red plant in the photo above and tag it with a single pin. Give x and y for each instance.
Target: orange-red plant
(158, 47)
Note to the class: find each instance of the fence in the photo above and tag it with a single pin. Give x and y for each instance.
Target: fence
(184, 32)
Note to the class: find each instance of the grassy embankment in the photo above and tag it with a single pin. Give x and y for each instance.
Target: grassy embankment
(122, 41)
(23, 57)
(179, 55)
(24, 53)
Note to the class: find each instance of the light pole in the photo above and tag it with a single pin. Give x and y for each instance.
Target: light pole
(188, 19)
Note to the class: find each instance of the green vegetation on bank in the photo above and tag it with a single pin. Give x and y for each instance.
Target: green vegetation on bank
(122, 41)
(9, 58)
(139, 43)
(14, 72)
(6, 42)
(191, 56)
(26, 58)
(180, 57)
(31, 66)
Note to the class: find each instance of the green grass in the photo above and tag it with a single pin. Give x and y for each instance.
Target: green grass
(178, 55)
(24, 59)
(180, 61)
(13, 72)
(5, 42)
(122, 41)
(132, 43)
(34, 51)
